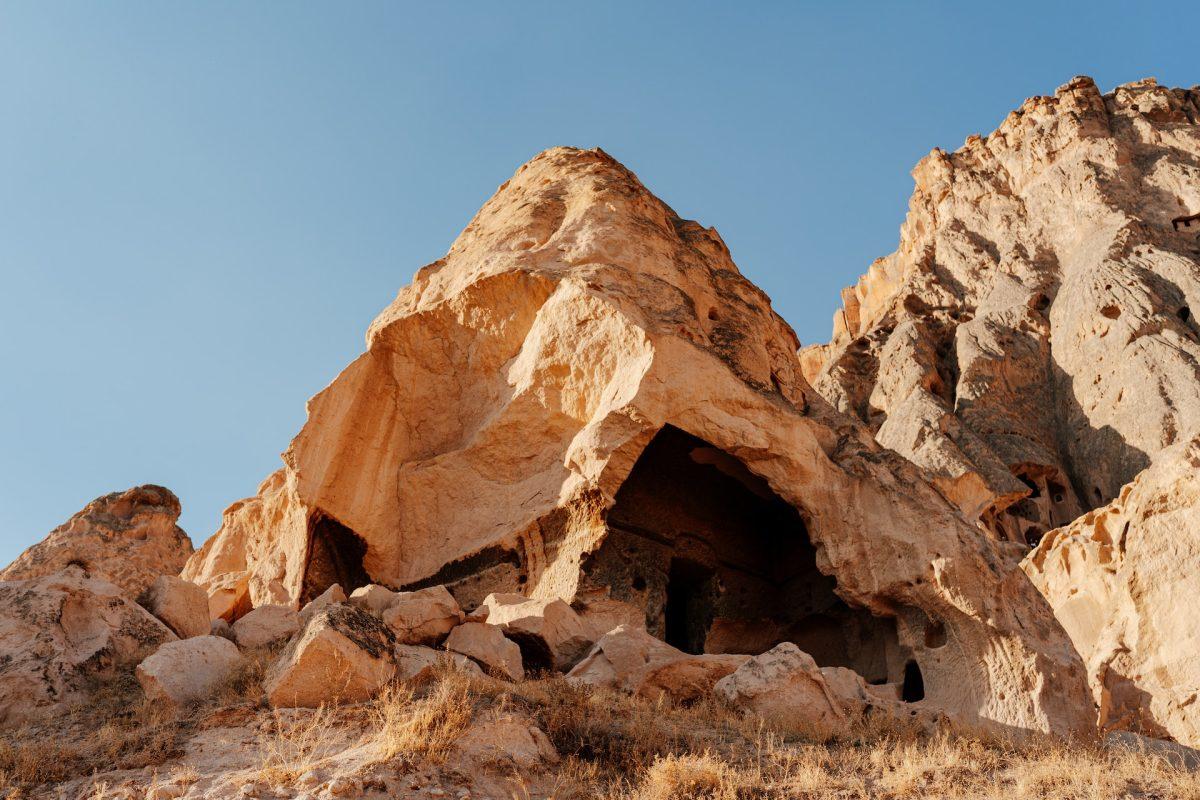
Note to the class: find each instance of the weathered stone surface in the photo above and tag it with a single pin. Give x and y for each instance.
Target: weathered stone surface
(334, 594)
(344, 654)
(180, 604)
(63, 632)
(185, 671)
(265, 626)
(373, 598)
(129, 538)
(487, 646)
(1124, 580)
(1032, 343)
(632, 660)
(551, 635)
(1173, 753)
(417, 663)
(423, 617)
(585, 332)
(507, 740)
(784, 685)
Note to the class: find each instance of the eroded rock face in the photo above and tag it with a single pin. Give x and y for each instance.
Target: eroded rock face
(180, 604)
(344, 654)
(578, 328)
(1124, 580)
(189, 670)
(551, 635)
(129, 538)
(1032, 343)
(62, 634)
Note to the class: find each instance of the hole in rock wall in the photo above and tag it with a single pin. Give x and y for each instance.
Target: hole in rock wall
(335, 555)
(1184, 314)
(718, 563)
(913, 689)
(1049, 504)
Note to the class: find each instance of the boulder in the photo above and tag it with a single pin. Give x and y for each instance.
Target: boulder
(128, 538)
(1124, 580)
(188, 670)
(548, 631)
(630, 659)
(180, 604)
(625, 400)
(334, 594)
(64, 633)
(343, 655)
(1172, 753)
(373, 598)
(265, 626)
(418, 664)
(424, 616)
(487, 646)
(507, 740)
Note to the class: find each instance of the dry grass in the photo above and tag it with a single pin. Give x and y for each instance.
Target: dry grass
(614, 747)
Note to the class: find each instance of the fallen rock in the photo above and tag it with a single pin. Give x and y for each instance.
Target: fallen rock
(506, 741)
(549, 632)
(1176, 755)
(1124, 580)
(189, 670)
(486, 645)
(344, 654)
(373, 598)
(631, 660)
(418, 664)
(180, 604)
(221, 628)
(423, 617)
(63, 633)
(265, 626)
(334, 594)
(128, 538)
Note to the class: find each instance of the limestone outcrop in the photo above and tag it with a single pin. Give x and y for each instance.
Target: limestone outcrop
(1124, 580)
(64, 633)
(586, 400)
(1032, 343)
(129, 538)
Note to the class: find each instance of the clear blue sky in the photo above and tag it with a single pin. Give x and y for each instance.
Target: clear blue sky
(203, 205)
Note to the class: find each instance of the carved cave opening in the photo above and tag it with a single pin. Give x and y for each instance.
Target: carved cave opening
(719, 563)
(335, 555)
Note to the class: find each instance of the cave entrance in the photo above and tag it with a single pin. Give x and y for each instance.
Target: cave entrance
(688, 611)
(718, 563)
(335, 555)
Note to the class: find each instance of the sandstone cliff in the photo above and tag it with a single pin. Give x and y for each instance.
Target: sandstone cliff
(586, 399)
(1032, 342)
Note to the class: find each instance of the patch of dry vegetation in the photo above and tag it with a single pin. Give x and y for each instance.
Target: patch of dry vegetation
(614, 747)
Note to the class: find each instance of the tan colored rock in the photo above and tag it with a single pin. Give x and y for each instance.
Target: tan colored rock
(1032, 342)
(181, 605)
(265, 626)
(785, 686)
(551, 635)
(332, 595)
(343, 655)
(487, 646)
(128, 538)
(585, 399)
(373, 598)
(418, 664)
(506, 740)
(61, 633)
(1124, 580)
(189, 670)
(423, 617)
(631, 660)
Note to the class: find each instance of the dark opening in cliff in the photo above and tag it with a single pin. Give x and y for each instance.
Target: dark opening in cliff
(719, 563)
(335, 555)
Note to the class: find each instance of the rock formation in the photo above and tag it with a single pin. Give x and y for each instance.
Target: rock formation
(1032, 343)
(129, 538)
(63, 633)
(585, 399)
(1124, 580)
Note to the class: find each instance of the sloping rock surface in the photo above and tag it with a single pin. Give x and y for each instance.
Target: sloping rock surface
(129, 538)
(1124, 580)
(1033, 342)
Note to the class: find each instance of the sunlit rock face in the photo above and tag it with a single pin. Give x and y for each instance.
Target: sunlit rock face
(1033, 343)
(585, 399)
